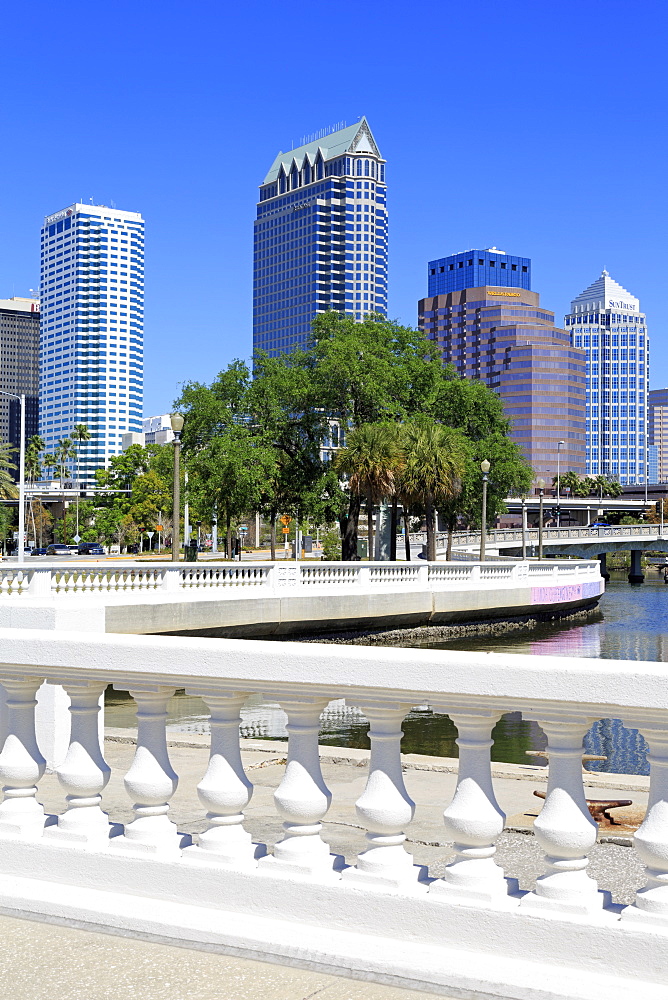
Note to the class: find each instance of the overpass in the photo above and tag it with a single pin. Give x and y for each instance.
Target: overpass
(584, 543)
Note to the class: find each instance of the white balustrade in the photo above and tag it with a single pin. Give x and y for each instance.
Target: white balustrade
(385, 808)
(151, 780)
(21, 763)
(147, 878)
(225, 791)
(302, 798)
(651, 840)
(564, 827)
(84, 773)
(255, 580)
(474, 820)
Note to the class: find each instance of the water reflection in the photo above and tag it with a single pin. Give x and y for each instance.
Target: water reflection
(632, 624)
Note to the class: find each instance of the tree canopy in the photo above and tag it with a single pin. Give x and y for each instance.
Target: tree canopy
(260, 442)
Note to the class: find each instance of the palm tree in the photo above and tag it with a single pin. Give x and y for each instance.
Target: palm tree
(371, 460)
(49, 461)
(64, 452)
(79, 434)
(33, 464)
(435, 464)
(8, 488)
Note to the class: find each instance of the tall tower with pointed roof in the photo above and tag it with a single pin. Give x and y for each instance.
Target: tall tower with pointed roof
(320, 237)
(606, 321)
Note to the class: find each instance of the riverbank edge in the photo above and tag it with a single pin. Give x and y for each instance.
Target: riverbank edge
(409, 762)
(421, 634)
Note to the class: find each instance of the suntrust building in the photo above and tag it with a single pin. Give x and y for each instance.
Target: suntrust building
(499, 334)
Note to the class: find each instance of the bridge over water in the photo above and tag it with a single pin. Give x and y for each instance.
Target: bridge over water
(586, 542)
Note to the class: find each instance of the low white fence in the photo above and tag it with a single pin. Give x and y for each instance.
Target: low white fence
(468, 932)
(259, 578)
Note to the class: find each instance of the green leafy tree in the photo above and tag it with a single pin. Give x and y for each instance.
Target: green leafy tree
(373, 372)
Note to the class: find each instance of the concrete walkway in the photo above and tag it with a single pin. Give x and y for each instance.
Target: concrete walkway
(47, 962)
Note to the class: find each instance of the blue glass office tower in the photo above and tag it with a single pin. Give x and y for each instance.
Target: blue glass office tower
(320, 237)
(477, 269)
(606, 322)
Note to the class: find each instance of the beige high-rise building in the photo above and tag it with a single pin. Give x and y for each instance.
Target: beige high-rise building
(19, 366)
(658, 430)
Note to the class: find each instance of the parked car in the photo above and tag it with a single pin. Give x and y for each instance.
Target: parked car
(58, 549)
(38, 552)
(90, 549)
(599, 524)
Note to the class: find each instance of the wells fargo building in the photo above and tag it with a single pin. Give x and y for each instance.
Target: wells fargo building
(500, 335)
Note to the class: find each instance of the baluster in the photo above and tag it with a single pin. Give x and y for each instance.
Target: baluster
(564, 827)
(651, 839)
(385, 807)
(84, 773)
(21, 763)
(302, 798)
(474, 819)
(225, 790)
(151, 780)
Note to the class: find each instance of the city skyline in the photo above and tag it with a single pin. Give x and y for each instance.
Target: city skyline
(189, 157)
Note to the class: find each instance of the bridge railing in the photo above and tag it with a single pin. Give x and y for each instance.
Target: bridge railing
(549, 534)
(466, 927)
(227, 579)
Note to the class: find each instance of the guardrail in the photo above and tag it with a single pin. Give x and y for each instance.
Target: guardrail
(46, 581)
(549, 534)
(468, 930)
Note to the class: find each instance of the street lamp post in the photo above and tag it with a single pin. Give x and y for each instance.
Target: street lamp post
(559, 447)
(484, 468)
(524, 528)
(177, 427)
(20, 554)
(540, 483)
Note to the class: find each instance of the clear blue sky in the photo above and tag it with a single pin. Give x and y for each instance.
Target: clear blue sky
(536, 127)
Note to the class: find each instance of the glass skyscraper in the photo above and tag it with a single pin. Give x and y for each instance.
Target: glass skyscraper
(320, 237)
(19, 368)
(606, 322)
(91, 331)
(477, 269)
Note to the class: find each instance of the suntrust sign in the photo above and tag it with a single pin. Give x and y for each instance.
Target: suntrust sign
(59, 215)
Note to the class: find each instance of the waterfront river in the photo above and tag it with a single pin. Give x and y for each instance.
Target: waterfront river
(631, 624)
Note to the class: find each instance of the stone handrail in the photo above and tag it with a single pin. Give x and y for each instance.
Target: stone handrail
(58, 579)
(469, 930)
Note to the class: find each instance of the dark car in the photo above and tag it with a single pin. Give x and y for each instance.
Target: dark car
(599, 524)
(38, 552)
(58, 549)
(91, 549)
